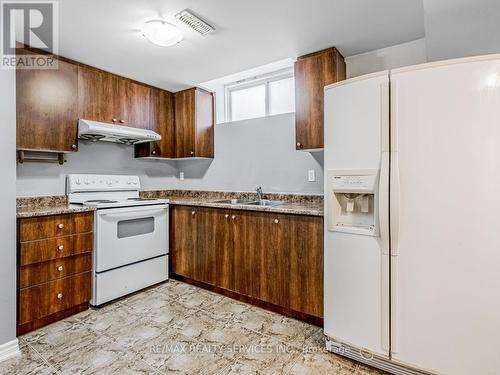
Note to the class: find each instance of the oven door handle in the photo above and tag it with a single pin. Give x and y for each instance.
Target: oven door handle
(133, 214)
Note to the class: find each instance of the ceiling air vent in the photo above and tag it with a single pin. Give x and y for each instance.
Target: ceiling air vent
(194, 22)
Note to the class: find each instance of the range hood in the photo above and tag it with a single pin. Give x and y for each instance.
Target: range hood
(100, 131)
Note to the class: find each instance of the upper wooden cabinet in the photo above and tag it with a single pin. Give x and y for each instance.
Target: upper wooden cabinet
(50, 102)
(312, 73)
(161, 120)
(95, 94)
(47, 108)
(133, 102)
(194, 123)
(106, 97)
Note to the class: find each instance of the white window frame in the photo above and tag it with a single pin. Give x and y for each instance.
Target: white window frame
(252, 82)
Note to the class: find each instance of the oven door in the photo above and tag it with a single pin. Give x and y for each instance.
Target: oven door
(130, 234)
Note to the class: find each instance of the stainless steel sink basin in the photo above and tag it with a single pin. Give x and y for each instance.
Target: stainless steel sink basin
(265, 202)
(235, 201)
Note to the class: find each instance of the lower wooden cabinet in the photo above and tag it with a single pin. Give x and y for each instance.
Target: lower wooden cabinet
(273, 258)
(54, 268)
(42, 300)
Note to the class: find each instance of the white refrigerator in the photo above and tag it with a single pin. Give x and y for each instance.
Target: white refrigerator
(412, 218)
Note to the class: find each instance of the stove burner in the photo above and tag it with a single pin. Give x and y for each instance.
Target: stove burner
(100, 201)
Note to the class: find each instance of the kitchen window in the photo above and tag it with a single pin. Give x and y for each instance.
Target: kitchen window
(267, 95)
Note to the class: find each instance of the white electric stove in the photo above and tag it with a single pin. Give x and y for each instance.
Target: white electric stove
(130, 234)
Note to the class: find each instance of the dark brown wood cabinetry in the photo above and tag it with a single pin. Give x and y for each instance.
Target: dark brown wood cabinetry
(312, 73)
(161, 121)
(47, 108)
(105, 97)
(96, 100)
(50, 102)
(54, 268)
(183, 241)
(273, 259)
(194, 123)
(133, 102)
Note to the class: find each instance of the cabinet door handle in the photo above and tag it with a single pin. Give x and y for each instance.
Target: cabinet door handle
(114, 119)
(60, 248)
(59, 295)
(154, 152)
(233, 217)
(191, 153)
(276, 221)
(226, 216)
(73, 147)
(122, 121)
(60, 268)
(60, 226)
(299, 145)
(193, 213)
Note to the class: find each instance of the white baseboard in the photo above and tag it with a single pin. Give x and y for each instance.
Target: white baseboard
(9, 349)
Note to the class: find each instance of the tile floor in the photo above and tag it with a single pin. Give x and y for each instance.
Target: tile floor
(176, 328)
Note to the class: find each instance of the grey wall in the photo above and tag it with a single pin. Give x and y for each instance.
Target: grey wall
(100, 157)
(404, 54)
(255, 152)
(247, 153)
(458, 28)
(8, 211)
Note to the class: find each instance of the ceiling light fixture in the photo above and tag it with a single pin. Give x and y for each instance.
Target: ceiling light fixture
(161, 33)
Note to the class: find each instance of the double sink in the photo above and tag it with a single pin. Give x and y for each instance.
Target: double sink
(249, 202)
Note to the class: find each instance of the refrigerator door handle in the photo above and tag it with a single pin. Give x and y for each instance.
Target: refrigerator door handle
(394, 174)
(394, 305)
(383, 203)
(395, 204)
(383, 218)
(394, 220)
(383, 215)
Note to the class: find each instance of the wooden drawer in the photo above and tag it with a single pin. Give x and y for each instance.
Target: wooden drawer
(49, 298)
(55, 269)
(55, 248)
(38, 228)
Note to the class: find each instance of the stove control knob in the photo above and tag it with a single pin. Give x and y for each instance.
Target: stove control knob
(87, 181)
(134, 182)
(109, 182)
(78, 181)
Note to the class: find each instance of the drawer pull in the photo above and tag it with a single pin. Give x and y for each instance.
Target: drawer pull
(59, 268)
(276, 221)
(193, 213)
(60, 247)
(59, 295)
(60, 226)
(233, 217)
(226, 216)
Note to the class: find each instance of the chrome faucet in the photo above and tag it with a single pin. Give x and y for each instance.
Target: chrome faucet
(259, 192)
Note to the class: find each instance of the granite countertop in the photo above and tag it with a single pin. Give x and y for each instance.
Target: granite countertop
(297, 204)
(46, 206)
(311, 205)
(297, 208)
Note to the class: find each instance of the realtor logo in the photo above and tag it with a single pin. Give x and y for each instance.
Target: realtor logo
(33, 24)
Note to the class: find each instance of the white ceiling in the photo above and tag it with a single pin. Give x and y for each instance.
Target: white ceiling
(248, 34)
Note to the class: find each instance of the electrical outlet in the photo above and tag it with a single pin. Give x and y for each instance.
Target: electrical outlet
(311, 175)
(181, 176)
